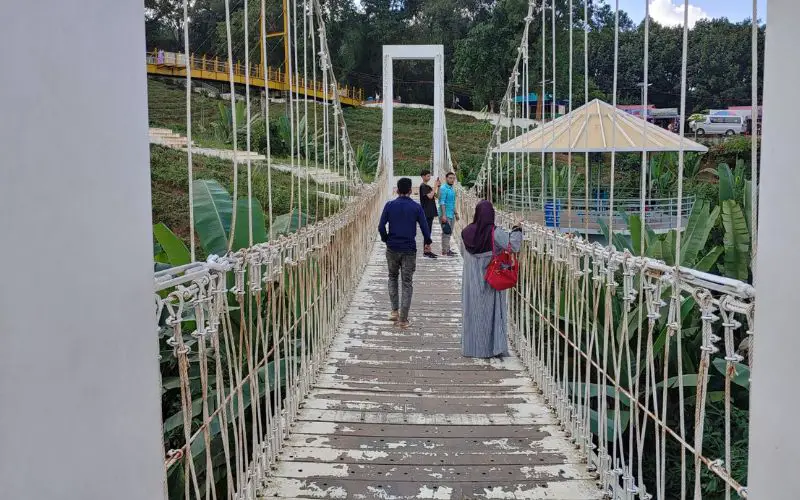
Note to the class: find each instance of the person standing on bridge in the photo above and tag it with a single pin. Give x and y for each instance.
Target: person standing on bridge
(427, 198)
(447, 211)
(402, 215)
(484, 309)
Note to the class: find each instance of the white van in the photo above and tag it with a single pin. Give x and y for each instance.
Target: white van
(715, 125)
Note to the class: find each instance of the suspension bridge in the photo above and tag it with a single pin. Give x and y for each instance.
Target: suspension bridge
(271, 370)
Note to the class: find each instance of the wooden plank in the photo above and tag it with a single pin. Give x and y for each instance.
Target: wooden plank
(414, 489)
(398, 414)
(443, 473)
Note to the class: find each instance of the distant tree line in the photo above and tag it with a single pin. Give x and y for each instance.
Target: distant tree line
(480, 38)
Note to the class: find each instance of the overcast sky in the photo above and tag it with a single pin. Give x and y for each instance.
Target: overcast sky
(670, 12)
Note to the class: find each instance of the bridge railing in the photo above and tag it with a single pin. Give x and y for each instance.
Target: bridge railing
(242, 339)
(575, 213)
(645, 365)
(202, 66)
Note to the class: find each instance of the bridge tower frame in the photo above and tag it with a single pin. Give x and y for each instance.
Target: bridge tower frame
(407, 53)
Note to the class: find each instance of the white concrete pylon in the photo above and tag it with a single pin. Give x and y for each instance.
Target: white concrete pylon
(774, 444)
(80, 397)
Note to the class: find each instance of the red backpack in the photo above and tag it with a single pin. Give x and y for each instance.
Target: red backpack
(503, 270)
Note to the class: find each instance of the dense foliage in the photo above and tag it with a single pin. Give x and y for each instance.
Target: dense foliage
(480, 40)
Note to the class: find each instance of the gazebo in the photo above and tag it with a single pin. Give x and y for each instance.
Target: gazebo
(598, 127)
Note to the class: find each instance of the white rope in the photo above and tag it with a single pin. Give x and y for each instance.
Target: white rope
(190, 169)
(700, 412)
(265, 67)
(569, 112)
(586, 171)
(234, 124)
(541, 99)
(754, 120)
(249, 120)
(614, 131)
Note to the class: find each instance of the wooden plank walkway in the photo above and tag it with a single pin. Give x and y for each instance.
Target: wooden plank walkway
(400, 414)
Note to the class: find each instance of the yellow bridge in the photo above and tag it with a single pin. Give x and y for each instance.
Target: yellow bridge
(212, 68)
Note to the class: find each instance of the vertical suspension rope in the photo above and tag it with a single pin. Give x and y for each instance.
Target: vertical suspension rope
(569, 112)
(249, 131)
(639, 433)
(586, 171)
(306, 11)
(316, 86)
(295, 26)
(614, 131)
(540, 103)
(553, 109)
(190, 169)
(289, 80)
(699, 411)
(754, 138)
(233, 120)
(265, 69)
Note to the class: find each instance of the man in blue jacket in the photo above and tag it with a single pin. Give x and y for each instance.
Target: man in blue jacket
(402, 214)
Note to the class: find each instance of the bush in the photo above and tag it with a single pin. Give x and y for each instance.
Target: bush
(729, 151)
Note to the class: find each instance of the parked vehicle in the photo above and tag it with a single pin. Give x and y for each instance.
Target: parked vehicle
(717, 125)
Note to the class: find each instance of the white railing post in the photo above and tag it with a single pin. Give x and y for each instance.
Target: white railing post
(774, 403)
(80, 408)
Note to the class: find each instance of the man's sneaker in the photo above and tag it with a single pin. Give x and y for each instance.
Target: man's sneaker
(430, 255)
(394, 316)
(450, 253)
(404, 324)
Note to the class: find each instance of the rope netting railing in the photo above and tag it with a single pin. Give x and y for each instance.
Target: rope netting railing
(641, 351)
(249, 333)
(244, 334)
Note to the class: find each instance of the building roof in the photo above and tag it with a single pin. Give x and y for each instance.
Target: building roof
(598, 127)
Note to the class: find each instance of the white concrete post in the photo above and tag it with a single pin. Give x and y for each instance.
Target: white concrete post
(80, 409)
(438, 116)
(387, 127)
(774, 403)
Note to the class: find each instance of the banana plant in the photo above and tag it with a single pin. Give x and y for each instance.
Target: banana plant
(662, 174)
(734, 193)
(366, 159)
(223, 125)
(662, 246)
(736, 240)
(286, 134)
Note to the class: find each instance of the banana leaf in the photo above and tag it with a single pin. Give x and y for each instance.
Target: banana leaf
(736, 241)
(213, 209)
(289, 223)
(748, 204)
(241, 235)
(176, 252)
(697, 230)
(624, 418)
(740, 375)
(726, 182)
(707, 262)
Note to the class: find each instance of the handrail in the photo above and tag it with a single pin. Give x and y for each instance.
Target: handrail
(213, 64)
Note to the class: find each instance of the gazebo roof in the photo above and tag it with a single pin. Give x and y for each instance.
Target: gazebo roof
(598, 127)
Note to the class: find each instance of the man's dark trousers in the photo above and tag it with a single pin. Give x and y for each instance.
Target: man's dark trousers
(401, 266)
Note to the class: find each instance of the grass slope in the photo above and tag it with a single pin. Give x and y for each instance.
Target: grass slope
(413, 128)
(413, 137)
(170, 187)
